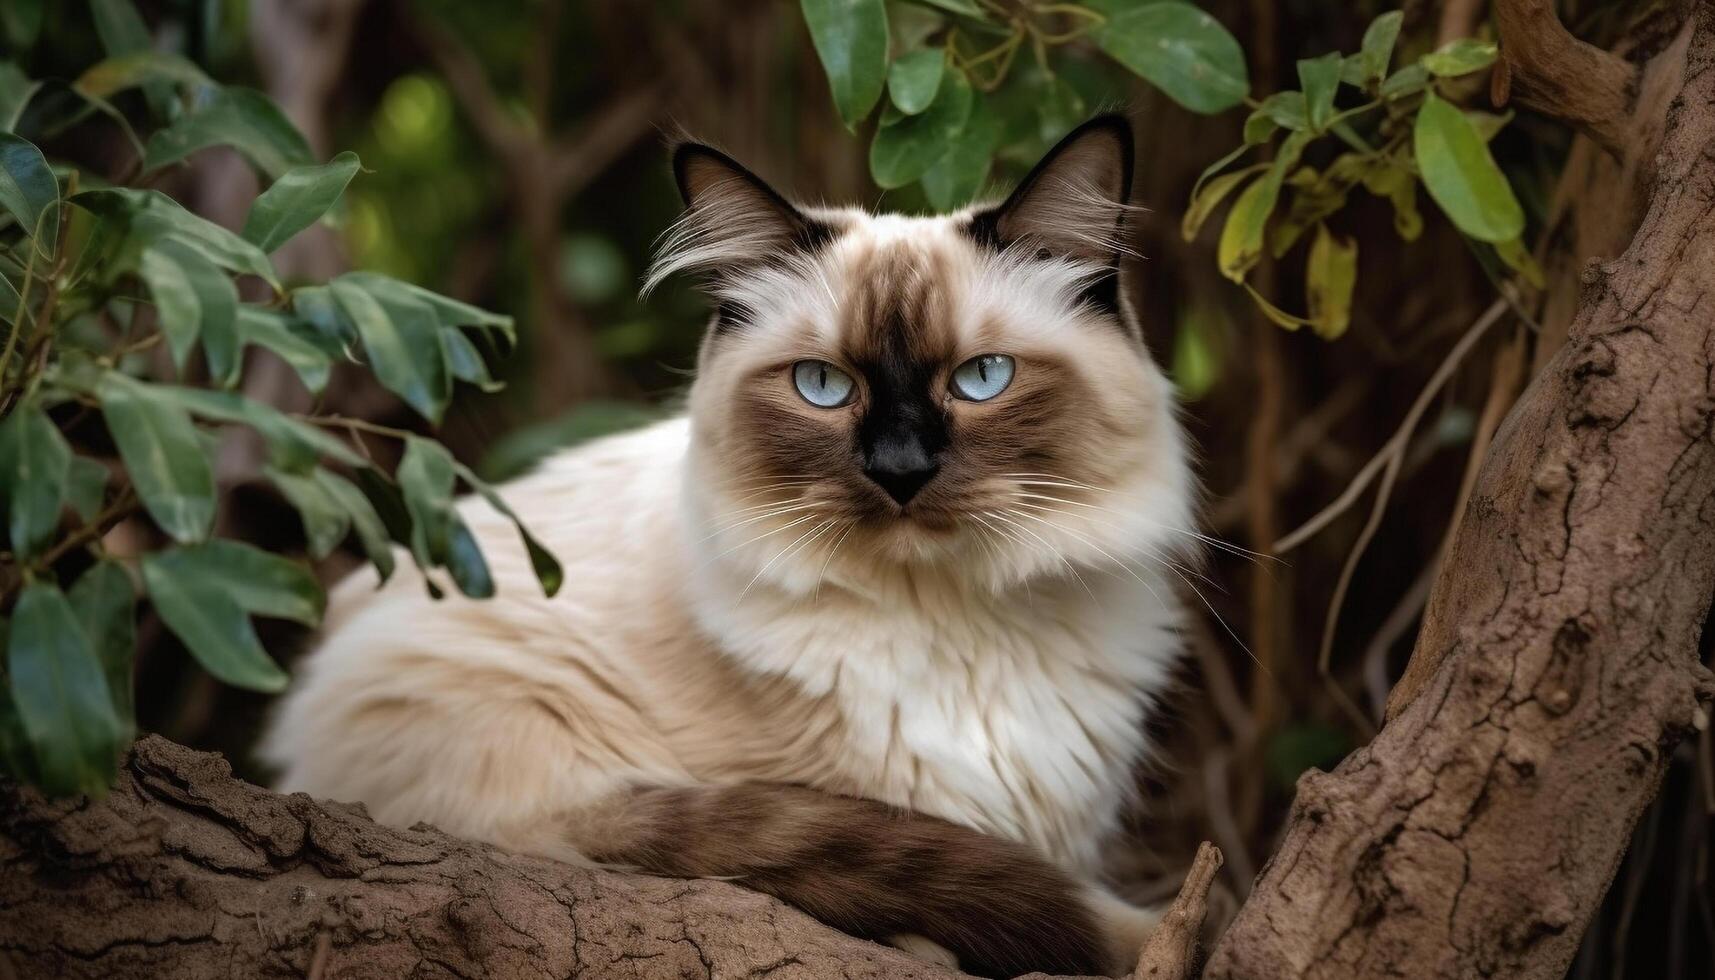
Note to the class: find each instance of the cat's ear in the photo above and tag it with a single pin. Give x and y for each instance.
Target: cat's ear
(732, 218)
(1074, 202)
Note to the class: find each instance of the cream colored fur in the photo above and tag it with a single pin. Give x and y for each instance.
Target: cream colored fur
(997, 676)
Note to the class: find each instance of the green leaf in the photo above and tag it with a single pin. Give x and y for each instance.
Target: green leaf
(22, 22)
(325, 519)
(275, 331)
(1462, 176)
(1330, 278)
(105, 601)
(1259, 128)
(86, 487)
(1275, 314)
(29, 192)
(371, 530)
(123, 32)
(450, 312)
(16, 91)
(1210, 197)
(913, 78)
(119, 26)
(34, 464)
(1519, 259)
(1290, 110)
(1379, 41)
(1409, 80)
(1178, 49)
(466, 361)
(542, 561)
(241, 118)
(17, 758)
(139, 218)
(1394, 182)
(1241, 242)
(108, 78)
(1489, 124)
(60, 691)
(465, 562)
(426, 478)
(162, 454)
(297, 200)
(958, 177)
(964, 8)
(194, 299)
(1320, 78)
(851, 39)
(401, 336)
(438, 534)
(1196, 362)
(206, 594)
(905, 150)
(1460, 57)
(1059, 109)
(293, 445)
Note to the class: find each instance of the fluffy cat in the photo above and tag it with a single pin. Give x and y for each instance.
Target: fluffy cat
(873, 627)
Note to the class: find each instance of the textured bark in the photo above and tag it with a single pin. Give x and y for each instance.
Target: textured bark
(184, 871)
(1558, 662)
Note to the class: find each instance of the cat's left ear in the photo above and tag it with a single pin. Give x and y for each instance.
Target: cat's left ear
(732, 219)
(1074, 202)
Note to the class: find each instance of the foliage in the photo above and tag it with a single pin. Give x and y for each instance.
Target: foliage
(957, 97)
(953, 92)
(120, 304)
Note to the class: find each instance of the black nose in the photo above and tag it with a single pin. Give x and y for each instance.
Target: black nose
(900, 468)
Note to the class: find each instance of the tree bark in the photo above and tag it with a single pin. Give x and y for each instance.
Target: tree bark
(184, 871)
(1557, 665)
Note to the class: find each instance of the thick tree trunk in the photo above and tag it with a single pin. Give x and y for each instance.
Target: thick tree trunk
(1557, 664)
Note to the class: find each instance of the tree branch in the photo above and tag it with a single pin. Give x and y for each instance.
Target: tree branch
(1548, 70)
(1557, 666)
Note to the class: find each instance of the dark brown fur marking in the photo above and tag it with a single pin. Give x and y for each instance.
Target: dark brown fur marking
(869, 869)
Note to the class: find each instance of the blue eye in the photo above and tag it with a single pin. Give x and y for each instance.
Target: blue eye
(822, 384)
(982, 378)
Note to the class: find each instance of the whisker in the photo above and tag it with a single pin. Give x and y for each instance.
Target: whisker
(850, 526)
(1050, 549)
(752, 520)
(759, 537)
(1213, 542)
(802, 542)
(1149, 552)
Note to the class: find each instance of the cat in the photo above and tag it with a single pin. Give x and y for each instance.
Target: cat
(873, 626)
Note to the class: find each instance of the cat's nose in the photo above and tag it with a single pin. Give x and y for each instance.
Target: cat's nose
(901, 468)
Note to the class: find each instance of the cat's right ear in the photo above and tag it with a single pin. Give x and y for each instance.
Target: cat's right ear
(732, 219)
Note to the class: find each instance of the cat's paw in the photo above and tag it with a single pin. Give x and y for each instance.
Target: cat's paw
(924, 948)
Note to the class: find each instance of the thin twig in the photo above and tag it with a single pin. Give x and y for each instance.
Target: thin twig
(1397, 443)
(1171, 950)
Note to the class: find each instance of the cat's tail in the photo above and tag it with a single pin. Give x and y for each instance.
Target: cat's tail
(863, 867)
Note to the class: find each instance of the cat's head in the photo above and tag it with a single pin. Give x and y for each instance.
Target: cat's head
(969, 389)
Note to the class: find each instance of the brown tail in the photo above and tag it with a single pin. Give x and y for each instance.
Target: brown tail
(865, 868)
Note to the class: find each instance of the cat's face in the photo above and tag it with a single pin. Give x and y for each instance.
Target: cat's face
(965, 390)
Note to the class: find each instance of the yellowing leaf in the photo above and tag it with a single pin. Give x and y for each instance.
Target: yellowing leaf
(1241, 242)
(1329, 280)
(1210, 197)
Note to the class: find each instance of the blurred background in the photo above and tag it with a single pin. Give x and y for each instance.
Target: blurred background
(513, 154)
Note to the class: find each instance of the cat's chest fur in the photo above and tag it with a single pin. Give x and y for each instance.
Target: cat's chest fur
(1020, 715)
